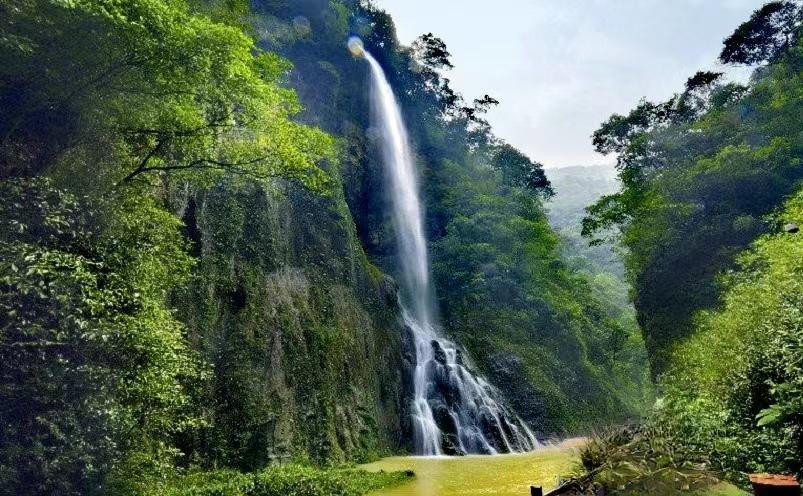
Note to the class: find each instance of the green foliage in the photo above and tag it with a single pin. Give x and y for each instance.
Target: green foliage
(303, 345)
(696, 187)
(576, 188)
(732, 399)
(717, 295)
(128, 107)
(288, 480)
(493, 251)
(155, 88)
(432, 52)
(507, 296)
(519, 170)
(739, 379)
(93, 364)
(769, 32)
(650, 460)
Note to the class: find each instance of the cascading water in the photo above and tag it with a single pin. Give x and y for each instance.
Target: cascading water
(454, 411)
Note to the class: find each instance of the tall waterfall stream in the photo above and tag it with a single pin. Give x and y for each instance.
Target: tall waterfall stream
(454, 411)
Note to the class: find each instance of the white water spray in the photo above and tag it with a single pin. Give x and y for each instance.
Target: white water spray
(454, 412)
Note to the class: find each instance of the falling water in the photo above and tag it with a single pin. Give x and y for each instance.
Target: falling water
(454, 411)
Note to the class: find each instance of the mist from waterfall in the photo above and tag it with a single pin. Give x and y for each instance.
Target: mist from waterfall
(454, 412)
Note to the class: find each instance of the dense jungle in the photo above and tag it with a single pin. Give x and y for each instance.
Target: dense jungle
(266, 248)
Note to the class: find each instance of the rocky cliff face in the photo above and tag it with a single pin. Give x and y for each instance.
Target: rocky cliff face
(310, 358)
(301, 331)
(309, 355)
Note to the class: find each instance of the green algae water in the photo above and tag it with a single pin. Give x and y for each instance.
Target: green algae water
(501, 475)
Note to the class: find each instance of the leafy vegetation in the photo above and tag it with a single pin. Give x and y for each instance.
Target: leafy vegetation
(94, 366)
(575, 189)
(153, 89)
(499, 253)
(700, 172)
(504, 291)
(288, 480)
(99, 383)
(735, 387)
(649, 460)
(192, 287)
(708, 212)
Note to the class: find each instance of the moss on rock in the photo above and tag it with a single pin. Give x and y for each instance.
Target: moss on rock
(303, 340)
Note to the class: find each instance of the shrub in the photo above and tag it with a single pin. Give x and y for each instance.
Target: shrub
(290, 480)
(92, 362)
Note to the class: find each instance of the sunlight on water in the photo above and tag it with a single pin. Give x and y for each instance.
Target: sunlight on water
(501, 475)
(355, 46)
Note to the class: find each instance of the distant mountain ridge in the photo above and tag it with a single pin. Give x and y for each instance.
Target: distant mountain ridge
(576, 187)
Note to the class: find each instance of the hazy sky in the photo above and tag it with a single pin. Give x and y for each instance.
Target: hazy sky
(561, 67)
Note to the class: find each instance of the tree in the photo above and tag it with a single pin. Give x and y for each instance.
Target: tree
(736, 385)
(518, 170)
(696, 97)
(94, 369)
(699, 173)
(431, 51)
(769, 32)
(155, 88)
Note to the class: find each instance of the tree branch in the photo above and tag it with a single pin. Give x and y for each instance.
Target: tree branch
(202, 164)
(143, 165)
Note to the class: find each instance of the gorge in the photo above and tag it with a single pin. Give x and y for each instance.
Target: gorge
(266, 248)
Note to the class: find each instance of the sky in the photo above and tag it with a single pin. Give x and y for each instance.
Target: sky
(561, 67)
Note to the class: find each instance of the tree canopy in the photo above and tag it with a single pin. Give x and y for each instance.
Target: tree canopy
(769, 32)
(704, 196)
(155, 88)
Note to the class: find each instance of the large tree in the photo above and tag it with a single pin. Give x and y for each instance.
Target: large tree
(699, 173)
(770, 31)
(144, 86)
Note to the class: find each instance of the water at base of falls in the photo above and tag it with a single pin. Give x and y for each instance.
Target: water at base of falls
(454, 411)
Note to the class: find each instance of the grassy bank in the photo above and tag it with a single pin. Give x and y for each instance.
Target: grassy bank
(290, 480)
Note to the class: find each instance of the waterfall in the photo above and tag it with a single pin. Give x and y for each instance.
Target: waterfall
(454, 411)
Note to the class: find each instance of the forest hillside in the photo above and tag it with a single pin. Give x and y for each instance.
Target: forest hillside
(708, 214)
(198, 270)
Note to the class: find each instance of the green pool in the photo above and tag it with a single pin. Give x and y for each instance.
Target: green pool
(503, 475)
